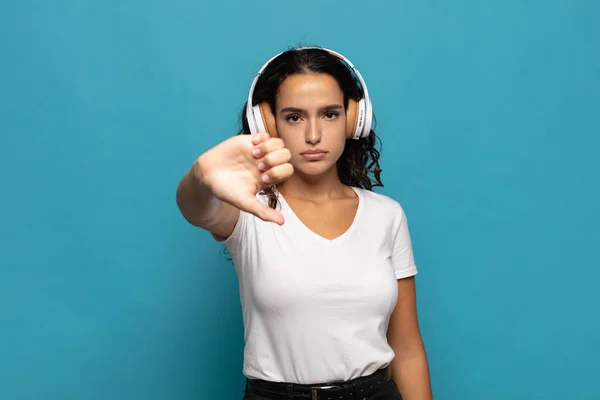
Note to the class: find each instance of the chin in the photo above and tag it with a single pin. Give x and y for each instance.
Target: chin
(313, 168)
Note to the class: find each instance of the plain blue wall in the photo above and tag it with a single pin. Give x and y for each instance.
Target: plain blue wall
(489, 116)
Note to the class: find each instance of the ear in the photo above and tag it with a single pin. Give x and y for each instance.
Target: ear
(351, 115)
(268, 118)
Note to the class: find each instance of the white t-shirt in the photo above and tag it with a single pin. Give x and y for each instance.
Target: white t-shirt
(317, 310)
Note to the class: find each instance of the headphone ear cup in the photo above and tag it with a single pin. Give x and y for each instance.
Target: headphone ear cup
(268, 119)
(351, 118)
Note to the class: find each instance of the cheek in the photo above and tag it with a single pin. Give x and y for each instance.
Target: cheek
(337, 137)
(291, 135)
(338, 129)
(293, 141)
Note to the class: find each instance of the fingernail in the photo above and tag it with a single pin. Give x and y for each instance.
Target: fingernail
(262, 166)
(255, 139)
(256, 152)
(266, 178)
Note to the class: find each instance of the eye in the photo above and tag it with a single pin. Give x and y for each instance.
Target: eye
(292, 118)
(331, 114)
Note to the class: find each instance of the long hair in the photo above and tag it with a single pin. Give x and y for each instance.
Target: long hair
(359, 163)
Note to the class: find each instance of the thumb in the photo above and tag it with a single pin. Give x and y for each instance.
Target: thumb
(262, 211)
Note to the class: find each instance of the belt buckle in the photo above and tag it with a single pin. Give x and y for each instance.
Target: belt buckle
(313, 391)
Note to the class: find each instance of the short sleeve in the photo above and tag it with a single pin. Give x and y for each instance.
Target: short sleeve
(234, 241)
(403, 260)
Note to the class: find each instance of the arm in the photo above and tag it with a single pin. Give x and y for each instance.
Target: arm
(410, 370)
(201, 208)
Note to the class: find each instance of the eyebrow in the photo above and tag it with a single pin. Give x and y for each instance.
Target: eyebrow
(329, 107)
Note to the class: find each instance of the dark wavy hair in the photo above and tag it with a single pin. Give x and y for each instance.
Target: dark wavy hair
(359, 163)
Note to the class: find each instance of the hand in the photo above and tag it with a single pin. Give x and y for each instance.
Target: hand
(235, 170)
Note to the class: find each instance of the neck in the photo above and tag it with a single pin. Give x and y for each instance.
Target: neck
(316, 188)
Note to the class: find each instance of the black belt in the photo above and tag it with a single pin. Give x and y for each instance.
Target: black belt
(355, 389)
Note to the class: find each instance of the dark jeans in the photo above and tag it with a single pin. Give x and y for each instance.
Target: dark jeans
(387, 392)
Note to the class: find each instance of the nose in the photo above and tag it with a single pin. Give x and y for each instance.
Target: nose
(313, 132)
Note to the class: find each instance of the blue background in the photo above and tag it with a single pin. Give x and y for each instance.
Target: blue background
(489, 116)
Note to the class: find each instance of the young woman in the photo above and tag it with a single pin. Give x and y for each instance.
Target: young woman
(325, 265)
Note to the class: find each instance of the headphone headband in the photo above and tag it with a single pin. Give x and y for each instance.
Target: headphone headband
(365, 113)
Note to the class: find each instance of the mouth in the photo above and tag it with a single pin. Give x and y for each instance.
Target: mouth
(313, 155)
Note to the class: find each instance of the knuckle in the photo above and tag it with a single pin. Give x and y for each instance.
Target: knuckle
(275, 174)
(270, 145)
(264, 147)
(275, 157)
(280, 154)
(268, 159)
(282, 172)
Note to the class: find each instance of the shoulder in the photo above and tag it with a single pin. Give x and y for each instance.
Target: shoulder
(381, 204)
(383, 218)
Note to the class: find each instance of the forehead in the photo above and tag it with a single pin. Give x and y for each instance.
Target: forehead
(309, 89)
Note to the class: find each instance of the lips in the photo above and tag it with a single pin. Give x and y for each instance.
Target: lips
(316, 151)
(313, 155)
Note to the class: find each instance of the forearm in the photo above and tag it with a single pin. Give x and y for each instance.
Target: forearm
(410, 371)
(201, 208)
(195, 202)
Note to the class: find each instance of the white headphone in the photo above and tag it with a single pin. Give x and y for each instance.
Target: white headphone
(359, 114)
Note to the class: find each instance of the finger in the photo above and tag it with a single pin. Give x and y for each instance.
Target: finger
(267, 147)
(260, 137)
(262, 211)
(274, 158)
(277, 174)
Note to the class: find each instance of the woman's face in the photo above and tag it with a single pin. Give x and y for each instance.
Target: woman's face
(311, 120)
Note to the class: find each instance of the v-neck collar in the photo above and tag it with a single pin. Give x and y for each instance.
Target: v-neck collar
(316, 236)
